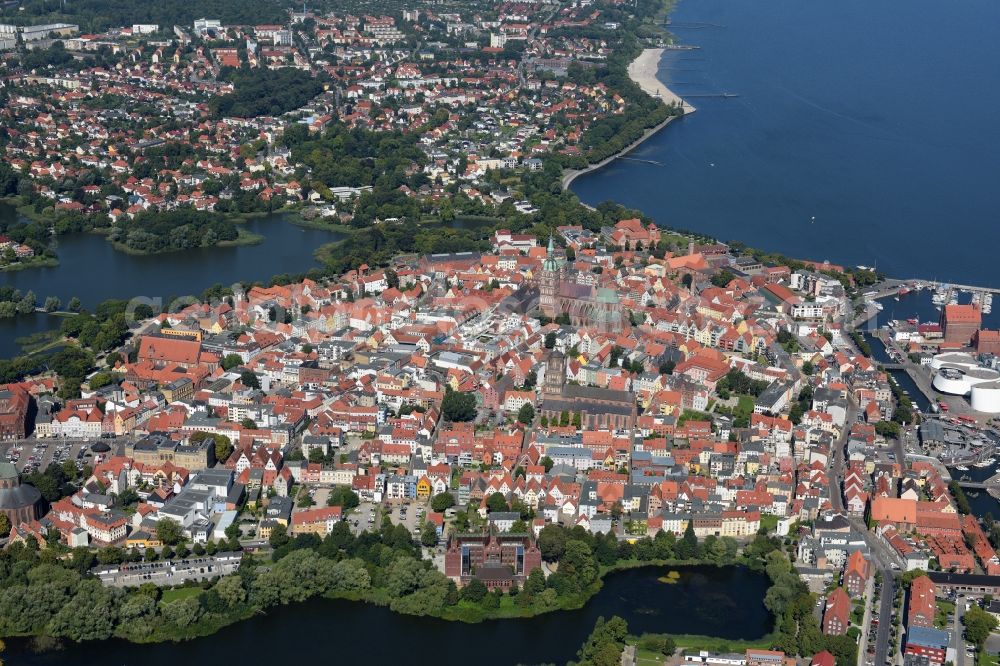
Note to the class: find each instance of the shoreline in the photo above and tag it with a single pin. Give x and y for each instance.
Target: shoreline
(572, 174)
(642, 72)
(457, 615)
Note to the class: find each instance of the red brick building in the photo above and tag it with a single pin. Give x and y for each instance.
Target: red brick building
(856, 574)
(922, 606)
(823, 658)
(987, 342)
(837, 617)
(160, 350)
(20, 503)
(15, 404)
(960, 323)
(498, 560)
(927, 642)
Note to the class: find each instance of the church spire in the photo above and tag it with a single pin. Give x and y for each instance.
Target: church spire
(551, 263)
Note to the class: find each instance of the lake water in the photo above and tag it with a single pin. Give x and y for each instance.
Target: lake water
(724, 602)
(93, 271)
(879, 119)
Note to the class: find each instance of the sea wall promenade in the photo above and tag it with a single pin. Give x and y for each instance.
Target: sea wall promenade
(642, 71)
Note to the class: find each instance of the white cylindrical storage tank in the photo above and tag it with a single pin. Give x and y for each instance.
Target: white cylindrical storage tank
(986, 398)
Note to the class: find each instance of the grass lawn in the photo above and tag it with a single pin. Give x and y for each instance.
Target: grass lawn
(179, 593)
(985, 659)
(712, 644)
(769, 522)
(648, 658)
(941, 616)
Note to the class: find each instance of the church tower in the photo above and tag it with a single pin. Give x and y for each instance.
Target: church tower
(555, 375)
(548, 282)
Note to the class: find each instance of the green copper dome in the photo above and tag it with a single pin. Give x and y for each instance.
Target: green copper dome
(552, 263)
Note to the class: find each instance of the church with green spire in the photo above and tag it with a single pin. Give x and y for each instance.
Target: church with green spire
(560, 293)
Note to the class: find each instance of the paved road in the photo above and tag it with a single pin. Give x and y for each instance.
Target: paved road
(871, 611)
(957, 641)
(883, 558)
(837, 464)
(882, 648)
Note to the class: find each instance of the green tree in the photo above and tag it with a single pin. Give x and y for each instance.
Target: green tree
(304, 500)
(578, 564)
(474, 591)
(230, 361)
(222, 444)
(552, 542)
(344, 497)
(526, 414)
(496, 502)
(687, 548)
(279, 536)
(168, 531)
(428, 535)
(223, 448)
(442, 502)
(978, 625)
(249, 379)
(183, 612)
(391, 278)
(535, 584)
(458, 406)
(90, 615)
(605, 643)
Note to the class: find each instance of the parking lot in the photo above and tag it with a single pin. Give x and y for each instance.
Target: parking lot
(410, 515)
(34, 454)
(871, 640)
(367, 516)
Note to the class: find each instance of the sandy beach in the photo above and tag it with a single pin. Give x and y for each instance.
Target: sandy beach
(643, 69)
